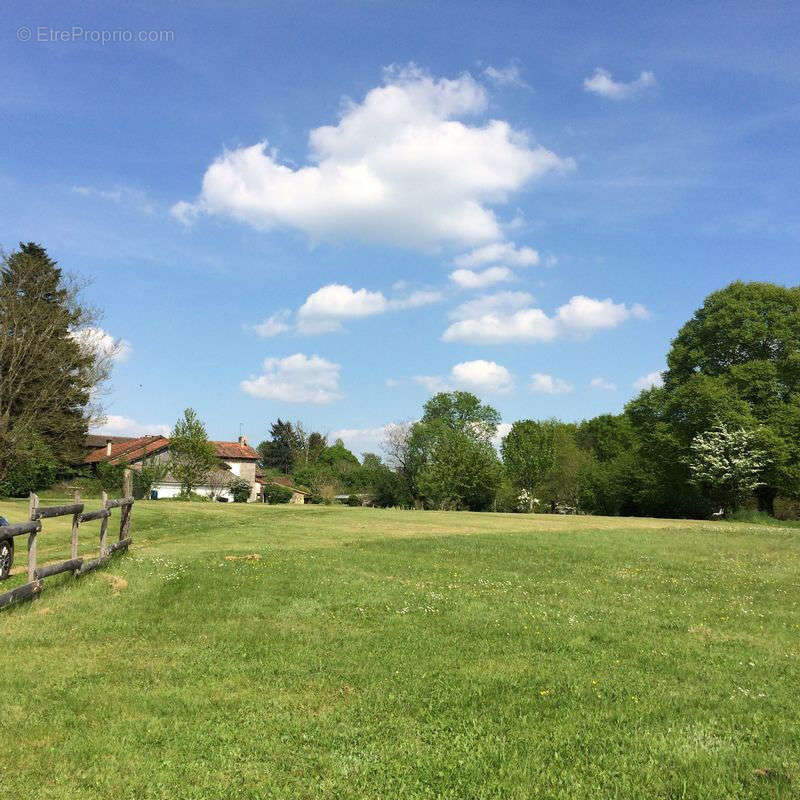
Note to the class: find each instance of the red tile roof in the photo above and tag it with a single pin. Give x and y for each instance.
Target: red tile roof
(235, 450)
(137, 449)
(132, 450)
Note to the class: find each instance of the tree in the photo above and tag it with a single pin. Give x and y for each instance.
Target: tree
(192, 456)
(462, 411)
(49, 361)
(528, 452)
(746, 338)
(727, 464)
(280, 450)
(562, 484)
(150, 472)
(459, 471)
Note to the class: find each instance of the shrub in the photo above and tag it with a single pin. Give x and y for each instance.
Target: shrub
(240, 489)
(34, 469)
(110, 477)
(274, 493)
(353, 500)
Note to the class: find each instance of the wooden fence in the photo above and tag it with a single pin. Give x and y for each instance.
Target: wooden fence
(74, 564)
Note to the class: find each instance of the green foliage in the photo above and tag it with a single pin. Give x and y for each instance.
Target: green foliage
(111, 477)
(353, 500)
(459, 469)
(192, 456)
(274, 494)
(529, 452)
(280, 450)
(48, 364)
(33, 468)
(240, 489)
(463, 412)
(147, 475)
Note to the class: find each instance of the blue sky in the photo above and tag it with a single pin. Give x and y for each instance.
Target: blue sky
(327, 211)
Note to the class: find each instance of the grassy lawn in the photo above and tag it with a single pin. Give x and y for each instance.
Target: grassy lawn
(283, 652)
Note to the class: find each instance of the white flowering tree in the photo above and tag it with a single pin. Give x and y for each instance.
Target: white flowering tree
(727, 464)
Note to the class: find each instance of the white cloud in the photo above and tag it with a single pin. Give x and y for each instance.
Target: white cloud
(392, 383)
(510, 75)
(116, 425)
(585, 314)
(482, 376)
(272, 326)
(602, 384)
(547, 384)
(324, 310)
(493, 320)
(475, 376)
(648, 381)
(296, 379)
(398, 167)
(103, 344)
(467, 279)
(496, 253)
(603, 84)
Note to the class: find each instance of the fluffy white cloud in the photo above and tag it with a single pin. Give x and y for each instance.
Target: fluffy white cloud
(502, 431)
(603, 84)
(602, 384)
(324, 310)
(116, 425)
(648, 381)
(103, 344)
(585, 314)
(527, 325)
(400, 167)
(503, 317)
(510, 75)
(547, 384)
(296, 379)
(468, 279)
(476, 376)
(496, 253)
(482, 376)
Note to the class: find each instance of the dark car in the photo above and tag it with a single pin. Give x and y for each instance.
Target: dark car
(6, 551)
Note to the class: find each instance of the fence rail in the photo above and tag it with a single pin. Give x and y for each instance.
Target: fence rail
(74, 564)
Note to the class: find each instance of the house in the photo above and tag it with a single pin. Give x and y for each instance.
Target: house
(236, 459)
(298, 495)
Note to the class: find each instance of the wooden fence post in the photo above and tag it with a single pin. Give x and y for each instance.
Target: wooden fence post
(33, 502)
(103, 527)
(76, 521)
(127, 483)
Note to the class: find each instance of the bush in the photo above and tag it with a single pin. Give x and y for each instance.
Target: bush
(240, 489)
(274, 494)
(110, 477)
(34, 469)
(353, 500)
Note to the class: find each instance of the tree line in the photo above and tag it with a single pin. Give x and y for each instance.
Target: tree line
(723, 429)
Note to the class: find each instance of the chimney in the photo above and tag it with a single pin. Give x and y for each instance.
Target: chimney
(243, 441)
(108, 447)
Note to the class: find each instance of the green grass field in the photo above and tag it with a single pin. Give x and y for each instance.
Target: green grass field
(312, 652)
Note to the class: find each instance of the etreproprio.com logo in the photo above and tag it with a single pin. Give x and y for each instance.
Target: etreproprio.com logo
(77, 33)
